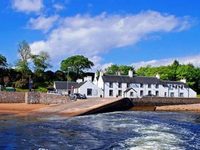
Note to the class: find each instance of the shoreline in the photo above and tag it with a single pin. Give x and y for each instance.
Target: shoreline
(22, 109)
(180, 108)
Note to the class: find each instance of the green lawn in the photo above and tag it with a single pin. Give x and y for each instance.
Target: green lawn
(198, 96)
(40, 89)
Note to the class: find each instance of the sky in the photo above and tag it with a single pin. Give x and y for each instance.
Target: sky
(123, 32)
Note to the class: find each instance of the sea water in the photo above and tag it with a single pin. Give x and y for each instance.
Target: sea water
(117, 131)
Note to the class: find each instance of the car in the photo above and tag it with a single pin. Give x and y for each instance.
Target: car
(75, 96)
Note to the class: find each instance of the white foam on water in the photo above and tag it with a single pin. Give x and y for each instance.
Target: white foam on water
(154, 137)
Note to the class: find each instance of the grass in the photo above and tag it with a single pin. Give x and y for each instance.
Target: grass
(198, 96)
(21, 90)
(39, 89)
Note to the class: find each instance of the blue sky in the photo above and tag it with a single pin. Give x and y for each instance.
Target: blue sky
(131, 32)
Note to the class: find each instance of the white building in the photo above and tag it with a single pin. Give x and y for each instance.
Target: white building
(89, 89)
(137, 86)
(125, 86)
(86, 87)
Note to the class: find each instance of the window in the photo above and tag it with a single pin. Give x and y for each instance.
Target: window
(165, 94)
(89, 92)
(141, 85)
(131, 94)
(141, 93)
(111, 85)
(120, 93)
(110, 92)
(172, 94)
(181, 95)
(128, 85)
(119, 85)
(149, 85)
(157, 93)
(157, 86)
(149, 93)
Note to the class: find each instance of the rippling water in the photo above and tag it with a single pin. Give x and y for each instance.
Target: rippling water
(119, 130)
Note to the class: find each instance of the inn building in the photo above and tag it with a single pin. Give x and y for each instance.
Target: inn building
(138, 86)
(131, 86)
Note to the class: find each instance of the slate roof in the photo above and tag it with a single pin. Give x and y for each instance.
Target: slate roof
(127, 79)
(80, 84)
(64, 85)
(139, 79)
(175, 82)
(129, 90)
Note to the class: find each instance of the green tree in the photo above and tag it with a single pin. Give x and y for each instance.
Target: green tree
(77, 64)
(22, 65)
(41, 63)
(175, 72)
(3, 61)
(115, 69)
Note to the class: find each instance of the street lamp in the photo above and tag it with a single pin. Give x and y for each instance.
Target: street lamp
(67, 80)
(30, 83)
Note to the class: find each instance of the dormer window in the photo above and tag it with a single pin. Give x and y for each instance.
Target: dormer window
(141, 85)
(119, 85)
(157, 86)
(111, 85)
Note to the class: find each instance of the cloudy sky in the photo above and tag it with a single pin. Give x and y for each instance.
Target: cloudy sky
(130, 32)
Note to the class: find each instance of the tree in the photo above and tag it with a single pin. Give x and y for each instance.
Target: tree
(3, 64)
(115, 69)
(3, 61)
(77, 64)
(24, 51)
(41, 63)
(175, 72)
(22, 65)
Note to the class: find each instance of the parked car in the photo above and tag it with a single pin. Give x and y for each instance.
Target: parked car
(75, 96)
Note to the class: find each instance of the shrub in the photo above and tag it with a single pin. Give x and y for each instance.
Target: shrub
(23, 84)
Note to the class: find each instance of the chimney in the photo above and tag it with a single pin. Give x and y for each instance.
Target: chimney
(157, 76)
(101, 73)
(88, 78)
(130, 73)
(79, 80)
(118, 73)
(183, 80)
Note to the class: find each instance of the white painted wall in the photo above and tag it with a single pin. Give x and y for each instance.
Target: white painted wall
(162, 91)
(96, 91)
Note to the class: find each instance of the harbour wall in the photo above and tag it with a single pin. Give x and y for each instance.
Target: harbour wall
(144, 104)
(12, 97)
(32, 98)
(44, 98)
(162, 101)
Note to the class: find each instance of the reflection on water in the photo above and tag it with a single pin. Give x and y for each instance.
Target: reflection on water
(119, 130)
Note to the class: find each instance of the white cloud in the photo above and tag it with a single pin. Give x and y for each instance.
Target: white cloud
(27, 6)
(42, 23)
(58, 7)
(94, 35)
(164, 62)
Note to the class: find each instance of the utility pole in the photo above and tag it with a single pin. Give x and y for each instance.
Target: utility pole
(68, 80)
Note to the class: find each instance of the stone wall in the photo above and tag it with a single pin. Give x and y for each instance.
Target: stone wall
(12, 97)
(44, 98)
(32, 98)
(161, 101)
